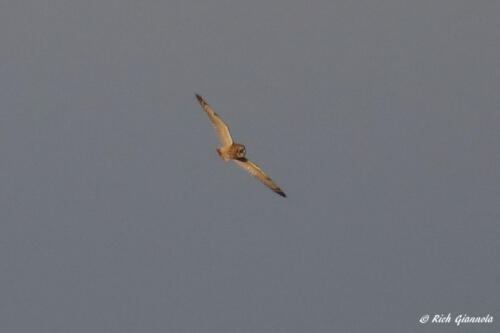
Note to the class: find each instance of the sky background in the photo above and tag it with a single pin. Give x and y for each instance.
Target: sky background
(379, 119)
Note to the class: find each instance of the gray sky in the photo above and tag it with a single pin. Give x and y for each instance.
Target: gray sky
(379, 119)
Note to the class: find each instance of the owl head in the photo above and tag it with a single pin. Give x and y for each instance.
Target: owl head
(239, 150)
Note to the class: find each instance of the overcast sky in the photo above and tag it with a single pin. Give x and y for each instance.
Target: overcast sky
(379, 119)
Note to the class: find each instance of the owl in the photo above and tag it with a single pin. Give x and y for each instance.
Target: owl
(236, 151)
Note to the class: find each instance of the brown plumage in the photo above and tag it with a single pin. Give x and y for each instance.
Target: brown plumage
(235, 151)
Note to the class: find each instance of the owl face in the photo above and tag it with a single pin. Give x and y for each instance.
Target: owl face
(238, 150)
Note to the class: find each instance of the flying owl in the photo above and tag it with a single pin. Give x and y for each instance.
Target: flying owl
(235, 151)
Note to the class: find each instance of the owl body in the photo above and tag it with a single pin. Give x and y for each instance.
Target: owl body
(234, 151)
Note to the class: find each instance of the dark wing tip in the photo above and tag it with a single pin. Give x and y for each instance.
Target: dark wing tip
(280, 192)
(201, 101)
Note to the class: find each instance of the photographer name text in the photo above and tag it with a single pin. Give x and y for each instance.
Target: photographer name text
(458, 319)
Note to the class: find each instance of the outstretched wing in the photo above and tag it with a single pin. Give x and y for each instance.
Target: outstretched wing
(219, 124)
(257, 172)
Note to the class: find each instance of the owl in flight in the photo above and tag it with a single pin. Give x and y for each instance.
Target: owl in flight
(234, 151)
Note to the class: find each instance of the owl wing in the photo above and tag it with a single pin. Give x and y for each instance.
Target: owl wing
(257, 172)
(219, 124)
